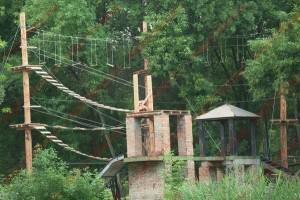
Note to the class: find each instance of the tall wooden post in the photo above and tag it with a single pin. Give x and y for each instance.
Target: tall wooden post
(149, 103)
(26, 93)
(232, 137)
(283, 128)
(148, 78)
(202, 141)
(253, 137)
(223, 138)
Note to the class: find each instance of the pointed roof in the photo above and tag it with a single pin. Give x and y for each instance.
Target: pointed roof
(226, 111)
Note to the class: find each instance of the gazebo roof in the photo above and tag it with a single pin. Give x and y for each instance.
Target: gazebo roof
(226, 111)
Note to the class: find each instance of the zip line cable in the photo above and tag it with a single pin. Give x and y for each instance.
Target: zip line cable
(96, 110)
(71, 120)
(90, 127)
(50, 113)
(64, 116)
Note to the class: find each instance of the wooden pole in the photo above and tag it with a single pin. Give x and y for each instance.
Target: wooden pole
(223, 138)
(149, 104)
(148, 78)
(26, 93)
(283, 128)
(202, 141)
(232, 137)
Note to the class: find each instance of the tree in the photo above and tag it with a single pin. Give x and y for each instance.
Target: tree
(276, 61)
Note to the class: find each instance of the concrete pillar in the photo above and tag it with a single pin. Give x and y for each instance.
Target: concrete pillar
(185, 143)
(134, 137)
(162, 134)
(205, 172)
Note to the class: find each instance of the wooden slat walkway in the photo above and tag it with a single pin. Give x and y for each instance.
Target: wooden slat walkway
(47, 77)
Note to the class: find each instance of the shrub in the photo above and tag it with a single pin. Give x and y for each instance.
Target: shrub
(51, 180)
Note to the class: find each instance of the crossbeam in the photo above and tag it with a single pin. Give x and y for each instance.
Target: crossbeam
(287, 121)
(27, 68)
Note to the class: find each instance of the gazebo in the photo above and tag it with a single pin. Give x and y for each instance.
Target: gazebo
(227, 115)
(213, 167)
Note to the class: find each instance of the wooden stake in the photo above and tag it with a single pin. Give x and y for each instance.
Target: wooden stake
(26, 92)
(283, 128)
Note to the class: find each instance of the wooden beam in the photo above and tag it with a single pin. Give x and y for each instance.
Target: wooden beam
(26, 92)
(27, 126)
(287, 121)
(283, 128)
(26, 67)
(147, 114)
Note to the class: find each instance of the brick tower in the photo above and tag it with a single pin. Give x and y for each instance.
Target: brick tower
(148, 140)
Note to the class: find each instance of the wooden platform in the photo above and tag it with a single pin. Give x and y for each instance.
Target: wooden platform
(194, 158)
(158, 112)
(26, 68)
(26, 126)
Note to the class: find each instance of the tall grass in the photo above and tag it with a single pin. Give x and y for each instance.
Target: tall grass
(256, 187)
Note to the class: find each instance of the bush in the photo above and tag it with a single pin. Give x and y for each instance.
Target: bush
(51, 180)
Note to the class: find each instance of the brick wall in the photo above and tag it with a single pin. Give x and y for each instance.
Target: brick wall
(133, 137)
(146, 180)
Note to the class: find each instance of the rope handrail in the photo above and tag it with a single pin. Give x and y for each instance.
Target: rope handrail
(54, 139)
(47, 77)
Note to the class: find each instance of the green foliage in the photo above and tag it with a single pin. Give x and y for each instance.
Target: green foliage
(276, 60)
(174, 175)
(52, 180)
(252, 187)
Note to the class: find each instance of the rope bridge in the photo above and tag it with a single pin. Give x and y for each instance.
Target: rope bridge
(47, 77)
(54, 139)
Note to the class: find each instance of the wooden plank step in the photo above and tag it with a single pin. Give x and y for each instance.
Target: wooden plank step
(51, 136)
